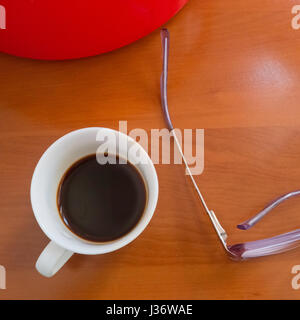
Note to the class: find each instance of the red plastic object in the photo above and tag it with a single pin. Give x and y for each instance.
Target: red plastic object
(66, 29)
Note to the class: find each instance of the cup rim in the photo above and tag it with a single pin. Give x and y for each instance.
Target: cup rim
(95, 248)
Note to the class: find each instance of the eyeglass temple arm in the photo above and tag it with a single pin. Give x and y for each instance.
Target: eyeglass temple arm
(269, 246)
(252, 221)
(165, 36)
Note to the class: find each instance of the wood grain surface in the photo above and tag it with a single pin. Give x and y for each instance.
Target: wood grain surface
(234, 71)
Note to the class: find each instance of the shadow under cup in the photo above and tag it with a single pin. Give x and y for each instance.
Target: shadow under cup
(56, 161)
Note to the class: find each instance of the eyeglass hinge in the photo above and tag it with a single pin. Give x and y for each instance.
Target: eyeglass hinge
(219, 229)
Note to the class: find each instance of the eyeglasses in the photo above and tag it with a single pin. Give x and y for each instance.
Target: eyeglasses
(241, 251)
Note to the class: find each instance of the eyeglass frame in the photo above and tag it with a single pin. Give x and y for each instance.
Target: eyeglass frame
(241, 251)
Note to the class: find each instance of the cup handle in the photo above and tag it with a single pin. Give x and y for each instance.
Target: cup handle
(52, 259)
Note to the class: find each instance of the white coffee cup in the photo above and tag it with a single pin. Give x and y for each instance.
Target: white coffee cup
(48, 173)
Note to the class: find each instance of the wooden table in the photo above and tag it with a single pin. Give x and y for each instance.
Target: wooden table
(235, 71)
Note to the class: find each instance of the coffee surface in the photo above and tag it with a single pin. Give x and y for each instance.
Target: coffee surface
(101, 202)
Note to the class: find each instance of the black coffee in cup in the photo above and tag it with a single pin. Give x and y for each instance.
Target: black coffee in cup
(101, 202)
